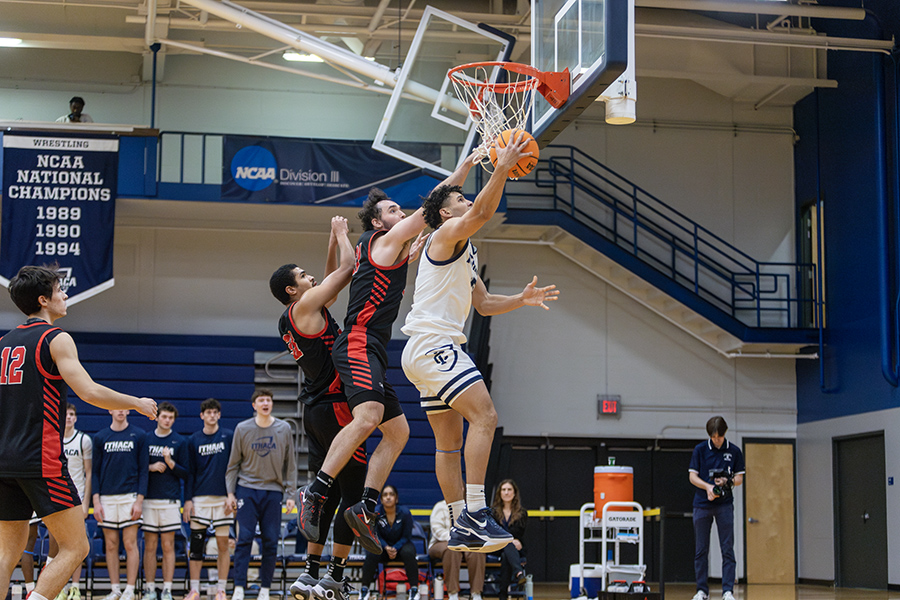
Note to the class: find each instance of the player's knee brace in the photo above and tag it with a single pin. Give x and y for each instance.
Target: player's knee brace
(198, 540)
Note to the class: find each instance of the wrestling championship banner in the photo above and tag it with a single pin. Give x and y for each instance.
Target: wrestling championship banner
(59, 199)
(328, 173)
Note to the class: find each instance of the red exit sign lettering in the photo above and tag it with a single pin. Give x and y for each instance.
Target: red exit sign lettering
(608, 406)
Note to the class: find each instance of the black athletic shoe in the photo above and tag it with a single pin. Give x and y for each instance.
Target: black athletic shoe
(363, 524)
(311, 505)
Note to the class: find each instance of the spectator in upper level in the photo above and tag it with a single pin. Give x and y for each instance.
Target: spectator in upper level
(76, 106)
(261, 473)
(395, 530)
(451, 559)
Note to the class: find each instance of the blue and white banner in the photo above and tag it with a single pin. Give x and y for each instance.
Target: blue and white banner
(59, 206)
(292, 171)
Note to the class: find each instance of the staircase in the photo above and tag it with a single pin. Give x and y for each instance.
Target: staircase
(662, 259)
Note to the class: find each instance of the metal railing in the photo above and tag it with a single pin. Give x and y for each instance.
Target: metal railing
(757, 293)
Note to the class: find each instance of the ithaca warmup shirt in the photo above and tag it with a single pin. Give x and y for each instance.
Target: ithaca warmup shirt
(208, 456)
(262, 458)
(166, 485)
(120, 462)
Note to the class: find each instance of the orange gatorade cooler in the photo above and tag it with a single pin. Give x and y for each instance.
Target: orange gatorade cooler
(612, 484)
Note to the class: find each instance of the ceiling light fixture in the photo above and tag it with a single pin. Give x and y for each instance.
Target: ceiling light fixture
(9, 42)
(293, 56)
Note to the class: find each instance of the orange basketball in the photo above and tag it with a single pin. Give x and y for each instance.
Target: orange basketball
(527, 163)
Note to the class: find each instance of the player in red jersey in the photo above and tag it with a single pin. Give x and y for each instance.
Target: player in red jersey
(37, 363)
(360, 357)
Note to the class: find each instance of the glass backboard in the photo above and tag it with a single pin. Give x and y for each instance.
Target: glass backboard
(425, 124)
(590, 38)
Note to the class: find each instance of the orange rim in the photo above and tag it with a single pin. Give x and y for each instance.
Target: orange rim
(554, 86)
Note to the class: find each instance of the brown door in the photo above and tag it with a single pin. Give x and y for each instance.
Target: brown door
(769, 510)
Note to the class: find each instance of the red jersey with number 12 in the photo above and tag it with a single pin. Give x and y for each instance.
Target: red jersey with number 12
(32, 400)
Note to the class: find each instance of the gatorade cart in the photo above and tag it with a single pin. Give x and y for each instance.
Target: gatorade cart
(611, 520)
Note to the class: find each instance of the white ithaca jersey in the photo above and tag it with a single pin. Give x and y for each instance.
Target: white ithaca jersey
(443, 295)
(77, 449)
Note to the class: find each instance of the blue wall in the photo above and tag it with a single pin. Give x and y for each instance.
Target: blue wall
(846, 136)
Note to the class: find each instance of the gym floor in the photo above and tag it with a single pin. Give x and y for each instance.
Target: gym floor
(686, 591)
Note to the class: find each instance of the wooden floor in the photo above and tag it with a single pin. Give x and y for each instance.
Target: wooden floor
(684, 591)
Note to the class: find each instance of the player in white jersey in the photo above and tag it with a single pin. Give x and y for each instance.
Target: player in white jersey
(452, 389)
(79, 449)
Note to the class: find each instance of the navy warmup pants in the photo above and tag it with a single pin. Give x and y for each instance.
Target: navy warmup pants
(723, 514)
(257, 507)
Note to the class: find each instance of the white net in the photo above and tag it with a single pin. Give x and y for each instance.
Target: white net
(498, 99)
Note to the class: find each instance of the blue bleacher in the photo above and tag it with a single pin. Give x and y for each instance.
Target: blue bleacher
(183, 370)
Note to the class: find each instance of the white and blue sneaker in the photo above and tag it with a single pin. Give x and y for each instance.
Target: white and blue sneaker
(329, 589)
(478, 532)
(302, 588)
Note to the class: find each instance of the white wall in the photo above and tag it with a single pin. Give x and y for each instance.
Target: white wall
(816, 489)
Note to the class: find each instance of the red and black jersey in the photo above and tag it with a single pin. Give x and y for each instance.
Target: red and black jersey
(32, 397)
(375, 291)
(313, 354)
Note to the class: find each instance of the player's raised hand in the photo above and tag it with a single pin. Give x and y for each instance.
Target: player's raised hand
(509, 155)
(416, 246)
(537, 296)
(339, 226)
(147, 407)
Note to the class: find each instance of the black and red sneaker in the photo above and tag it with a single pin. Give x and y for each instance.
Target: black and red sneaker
(311, 505)
(363, 523)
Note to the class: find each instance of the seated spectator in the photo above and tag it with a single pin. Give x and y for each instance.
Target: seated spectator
(76, 105)
(395, 527)
(508, 511)
(450, 559)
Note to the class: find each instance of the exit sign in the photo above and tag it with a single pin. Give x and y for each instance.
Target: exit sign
(608, 406)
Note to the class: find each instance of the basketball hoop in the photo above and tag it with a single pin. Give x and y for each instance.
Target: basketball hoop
(500, 96)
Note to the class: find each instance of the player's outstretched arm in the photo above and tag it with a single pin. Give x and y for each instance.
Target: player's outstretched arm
(488, 304)
(65, 355)
(488, 199)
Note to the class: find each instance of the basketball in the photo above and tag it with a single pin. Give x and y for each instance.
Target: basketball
(527, 163)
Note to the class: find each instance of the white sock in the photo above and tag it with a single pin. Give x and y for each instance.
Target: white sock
(36, 596)
(29, 587)
(195, 585)
(117, 588)
(49, 560)
(151, 586)
(222, 584)
(475, 497)
(167, 586)
(456, 509)
(129, 589)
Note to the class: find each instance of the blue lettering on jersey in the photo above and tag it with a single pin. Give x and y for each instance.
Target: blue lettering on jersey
(264, 445)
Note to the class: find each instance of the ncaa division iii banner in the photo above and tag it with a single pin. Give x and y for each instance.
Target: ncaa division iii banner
(59, 206)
